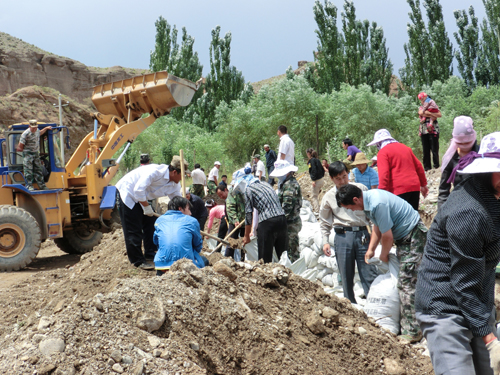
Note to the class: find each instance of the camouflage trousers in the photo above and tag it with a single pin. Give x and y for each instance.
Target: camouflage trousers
(410, 251)
(197, 189)
(294, 228)
(33, 170)
(211, 187)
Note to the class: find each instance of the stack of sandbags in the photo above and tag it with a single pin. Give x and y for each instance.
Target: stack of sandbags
(306, 213)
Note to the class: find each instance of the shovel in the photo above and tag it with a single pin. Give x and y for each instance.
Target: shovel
(229, 235)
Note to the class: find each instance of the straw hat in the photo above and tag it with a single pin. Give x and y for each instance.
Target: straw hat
(360, 159)
(282, 168)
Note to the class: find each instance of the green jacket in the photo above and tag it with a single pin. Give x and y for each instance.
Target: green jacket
(235, 207)
(290, 197)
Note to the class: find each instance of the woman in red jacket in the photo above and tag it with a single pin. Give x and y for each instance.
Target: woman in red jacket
(399, 170)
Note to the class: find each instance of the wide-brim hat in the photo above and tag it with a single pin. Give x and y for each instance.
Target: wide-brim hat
(360, 159)
(489, 144)
(380, 136)
(282, 168)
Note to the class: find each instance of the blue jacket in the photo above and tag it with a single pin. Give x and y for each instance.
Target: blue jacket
(177, 236)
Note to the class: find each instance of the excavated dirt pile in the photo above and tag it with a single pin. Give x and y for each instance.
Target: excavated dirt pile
(103, 316)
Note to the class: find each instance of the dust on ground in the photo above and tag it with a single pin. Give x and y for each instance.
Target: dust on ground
(101, 316)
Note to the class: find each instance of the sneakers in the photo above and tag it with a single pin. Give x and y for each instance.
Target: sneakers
(146, 266)
(30, 187)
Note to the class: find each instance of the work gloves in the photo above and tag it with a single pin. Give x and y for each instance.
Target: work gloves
(494, 349)
(148, 210)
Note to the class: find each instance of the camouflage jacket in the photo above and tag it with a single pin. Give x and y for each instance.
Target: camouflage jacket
(235, 207)
(290, 197)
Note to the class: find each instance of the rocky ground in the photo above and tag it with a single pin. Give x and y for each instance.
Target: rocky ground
(101, 316)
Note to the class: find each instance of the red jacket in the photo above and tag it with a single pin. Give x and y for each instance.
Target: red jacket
(399, 170)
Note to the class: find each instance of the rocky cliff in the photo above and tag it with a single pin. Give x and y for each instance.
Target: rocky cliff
(22, 65)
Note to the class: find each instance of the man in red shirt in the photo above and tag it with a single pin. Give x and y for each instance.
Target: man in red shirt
(399, 170)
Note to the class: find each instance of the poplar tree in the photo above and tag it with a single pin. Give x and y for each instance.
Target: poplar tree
(328, 73)
(352, 35)
(467, 39)
(489, 62)
(429, 53)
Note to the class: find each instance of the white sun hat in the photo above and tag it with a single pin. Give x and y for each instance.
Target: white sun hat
(282, 167)
(482, 162)
(380, 136)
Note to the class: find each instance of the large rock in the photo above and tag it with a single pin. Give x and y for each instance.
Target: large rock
(50, 346)
(152, 319)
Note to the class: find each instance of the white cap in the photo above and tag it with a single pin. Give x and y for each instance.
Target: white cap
(217, 163)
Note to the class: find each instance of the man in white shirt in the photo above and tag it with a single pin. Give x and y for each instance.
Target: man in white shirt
(199, 181)
(137, 216)
(213, 178)
(287, 147)
(260, 171)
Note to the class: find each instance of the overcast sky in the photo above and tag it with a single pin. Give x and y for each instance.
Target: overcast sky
(267, 35)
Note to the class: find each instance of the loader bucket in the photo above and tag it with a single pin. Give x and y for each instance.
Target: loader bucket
(155, 92)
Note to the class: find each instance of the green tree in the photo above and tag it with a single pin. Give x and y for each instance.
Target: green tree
(327, 74)
(489, 61)
(429, 53)
(467, 39)
(377, 67)
(180, 61)
(224, 83)
(352, 34)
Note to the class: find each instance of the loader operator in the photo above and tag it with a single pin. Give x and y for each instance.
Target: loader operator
(137, 216)
(29, 145)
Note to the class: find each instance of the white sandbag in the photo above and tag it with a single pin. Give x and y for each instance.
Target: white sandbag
(252, 250)
(306, 204)
(306, 234)
(313, 262)
(322, 273)
(335, 290)
(275, 256)
(383, 267)
(320, 267)
(304, 211)
(328, 280)
(309, 274)
(328, 262)
(299, 266)
(318, 239)
(211, 243)
(317, 250)
(284, 260)
(383, 299)
(358, 290)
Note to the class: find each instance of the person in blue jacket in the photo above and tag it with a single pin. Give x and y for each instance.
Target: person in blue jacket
(177, 236)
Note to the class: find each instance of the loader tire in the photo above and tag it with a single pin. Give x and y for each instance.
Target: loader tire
(20, 238)
(78, 242)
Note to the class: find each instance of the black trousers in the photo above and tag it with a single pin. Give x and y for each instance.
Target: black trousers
(412, 198)
(239, 233)
(272, 232)
(202, 221)
(430, 145)
(270, 180)
(136, 228)
(222, 228)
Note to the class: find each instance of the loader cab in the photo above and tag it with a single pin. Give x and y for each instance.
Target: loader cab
(50, 151)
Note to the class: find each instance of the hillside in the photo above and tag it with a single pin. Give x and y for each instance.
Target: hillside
(23, 64)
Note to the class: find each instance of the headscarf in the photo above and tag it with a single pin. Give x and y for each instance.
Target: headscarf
(463, 132)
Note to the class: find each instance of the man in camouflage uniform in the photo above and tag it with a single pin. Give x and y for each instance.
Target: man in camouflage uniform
(29, 145)
(395, 221)
(235, 213)
(290, 197)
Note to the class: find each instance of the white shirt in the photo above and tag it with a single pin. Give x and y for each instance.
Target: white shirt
(260, 167)
(213, 173)
(145, 183)
(287, 147)
(198, 177)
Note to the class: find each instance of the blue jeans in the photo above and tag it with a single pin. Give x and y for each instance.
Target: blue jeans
(350, 250)
(453, 349)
